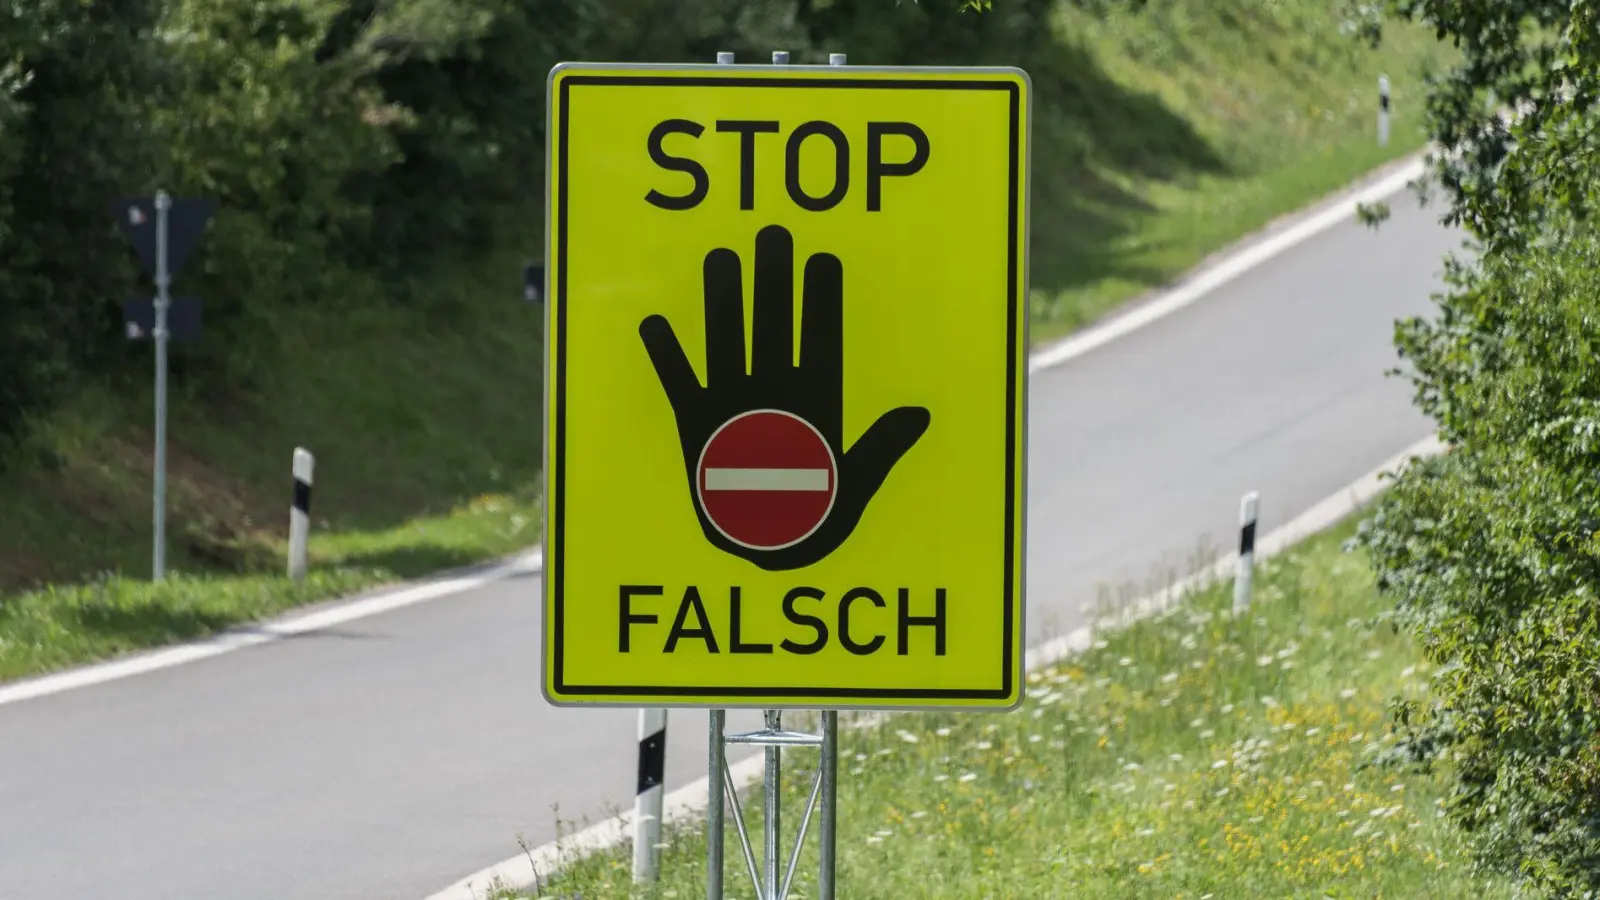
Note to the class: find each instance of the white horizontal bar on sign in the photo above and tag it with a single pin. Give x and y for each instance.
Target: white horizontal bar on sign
(766, 479)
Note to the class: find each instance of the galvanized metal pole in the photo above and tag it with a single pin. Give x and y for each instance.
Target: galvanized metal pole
(715, 798)
(717, 766)
(771, 825)
(772, 781)
(163, 301)
(827, 828)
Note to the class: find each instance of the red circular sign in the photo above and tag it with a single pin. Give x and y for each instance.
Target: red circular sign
(766, 479)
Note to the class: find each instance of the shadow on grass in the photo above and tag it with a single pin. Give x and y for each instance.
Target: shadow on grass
(413, 561)
(1085, 128)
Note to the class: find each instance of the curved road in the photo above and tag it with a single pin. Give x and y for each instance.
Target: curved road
(393, 755)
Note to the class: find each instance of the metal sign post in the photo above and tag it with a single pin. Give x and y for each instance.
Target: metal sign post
(773, 739)
(772, 878)
(158, 566)
(163, 250)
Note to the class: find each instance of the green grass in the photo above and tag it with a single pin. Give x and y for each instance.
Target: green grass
(1207, 121)
(427, 458)
(58, 627)
(1191, 755)
(1159, 138)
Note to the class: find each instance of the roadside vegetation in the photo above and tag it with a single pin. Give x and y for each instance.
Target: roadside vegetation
(1490, 555)
(1189, 755)
(378, 172)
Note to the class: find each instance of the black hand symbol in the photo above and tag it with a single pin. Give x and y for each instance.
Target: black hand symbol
(812, 390)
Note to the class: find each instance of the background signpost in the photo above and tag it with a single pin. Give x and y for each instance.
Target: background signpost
(163, 231)
(786, 372)
(533, 282)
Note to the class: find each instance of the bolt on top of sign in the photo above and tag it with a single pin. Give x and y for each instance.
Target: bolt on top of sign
(786, 362)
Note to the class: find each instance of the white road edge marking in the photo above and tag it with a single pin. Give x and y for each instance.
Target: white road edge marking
(522, 872)
(314, 619)
(1207, 278)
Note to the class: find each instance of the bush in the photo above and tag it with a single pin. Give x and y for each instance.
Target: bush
(469, 76)
(1493, 554)
(353, 147)
(72, 137)
(1492, 551)
(253, 118)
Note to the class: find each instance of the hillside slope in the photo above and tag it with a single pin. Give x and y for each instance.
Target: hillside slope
(1160, 136)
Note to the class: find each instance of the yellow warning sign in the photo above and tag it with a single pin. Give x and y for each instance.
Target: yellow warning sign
(785, 386)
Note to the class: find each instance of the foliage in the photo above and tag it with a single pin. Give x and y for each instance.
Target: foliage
(469, 77)
(350, 145)
(71, 138)
(1491, 552)
(57, 627)
(252, 117)
(1493, 555)
(1514, 117)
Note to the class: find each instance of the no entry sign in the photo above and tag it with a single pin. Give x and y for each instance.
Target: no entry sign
(767, 479)
(786, 371)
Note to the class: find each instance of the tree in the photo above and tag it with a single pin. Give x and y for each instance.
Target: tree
(1492, 551)
(74, 133)
(1513, 114)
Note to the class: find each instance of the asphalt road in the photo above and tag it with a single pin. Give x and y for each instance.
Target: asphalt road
(394, 755)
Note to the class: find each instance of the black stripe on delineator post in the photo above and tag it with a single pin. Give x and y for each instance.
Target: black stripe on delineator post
(652, 761)
(1247, 538)
(302, 497)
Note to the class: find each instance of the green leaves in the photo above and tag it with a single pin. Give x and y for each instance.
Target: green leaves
(1527, 60)
(72, 136)
(350, 144)
(1491, 552)
(1372, 214)
(1491, 556)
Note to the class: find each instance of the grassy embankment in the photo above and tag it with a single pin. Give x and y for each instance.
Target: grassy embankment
(1160, 137)
(1190, 756)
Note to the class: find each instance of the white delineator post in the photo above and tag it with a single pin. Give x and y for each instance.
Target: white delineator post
(1248, 508)
(1383, 110)
(647, 801)
(300, 513)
